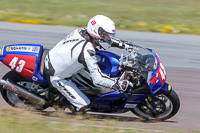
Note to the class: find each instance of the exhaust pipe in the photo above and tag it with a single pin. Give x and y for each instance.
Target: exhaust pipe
(22, 92)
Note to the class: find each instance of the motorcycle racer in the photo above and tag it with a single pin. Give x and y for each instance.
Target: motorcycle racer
(76, 52)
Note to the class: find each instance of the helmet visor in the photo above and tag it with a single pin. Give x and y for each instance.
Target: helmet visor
(105, 36)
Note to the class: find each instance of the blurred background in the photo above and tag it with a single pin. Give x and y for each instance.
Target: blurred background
(165, 16)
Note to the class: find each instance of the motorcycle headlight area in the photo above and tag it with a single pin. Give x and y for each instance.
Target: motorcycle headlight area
(138, 61)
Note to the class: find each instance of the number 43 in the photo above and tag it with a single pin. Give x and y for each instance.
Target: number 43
(20, 65)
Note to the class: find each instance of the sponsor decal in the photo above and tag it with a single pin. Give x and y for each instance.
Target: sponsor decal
(169, 87)
(20, 48)
(161, 73)
(93, 22)
(14, 89)
(130, 105)
(67, 41)
(150, 99)
(7, 48)
(64, 89)
(34, 78)
(34, 49)
(153, 80)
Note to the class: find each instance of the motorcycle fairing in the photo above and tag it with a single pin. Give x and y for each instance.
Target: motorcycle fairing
(24, 59)
(116, 100)
(108, 62)
(158, 78)
(18, 62)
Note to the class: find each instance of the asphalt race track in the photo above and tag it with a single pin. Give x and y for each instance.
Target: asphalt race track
(180, 55)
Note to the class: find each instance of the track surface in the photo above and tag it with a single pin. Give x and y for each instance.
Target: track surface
(179, 53)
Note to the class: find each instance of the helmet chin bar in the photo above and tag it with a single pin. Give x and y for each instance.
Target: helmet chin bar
(97, 42)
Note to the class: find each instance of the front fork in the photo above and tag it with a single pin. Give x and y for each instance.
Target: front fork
(165, 89)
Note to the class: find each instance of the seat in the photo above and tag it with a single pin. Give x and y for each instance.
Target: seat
(42, 61)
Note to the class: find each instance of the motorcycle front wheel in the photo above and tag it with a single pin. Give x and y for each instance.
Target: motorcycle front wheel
(159, 107)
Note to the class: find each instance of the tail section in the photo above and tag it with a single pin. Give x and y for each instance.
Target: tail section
(23, 59)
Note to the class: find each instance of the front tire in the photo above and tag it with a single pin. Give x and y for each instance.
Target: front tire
(14, 99)
(164, 106)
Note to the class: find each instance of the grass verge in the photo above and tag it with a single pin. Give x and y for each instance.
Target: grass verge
(171, 16)
(21, 121)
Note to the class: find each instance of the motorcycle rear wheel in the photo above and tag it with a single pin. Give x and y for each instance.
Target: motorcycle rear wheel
(14, 99)
(165, 106)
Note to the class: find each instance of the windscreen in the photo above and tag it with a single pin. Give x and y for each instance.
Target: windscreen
(139, 58)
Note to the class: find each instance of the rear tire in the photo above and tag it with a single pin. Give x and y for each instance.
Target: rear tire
(12, 98)
(174, 105)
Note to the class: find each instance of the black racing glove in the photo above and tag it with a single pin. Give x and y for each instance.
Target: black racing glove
(121, 44)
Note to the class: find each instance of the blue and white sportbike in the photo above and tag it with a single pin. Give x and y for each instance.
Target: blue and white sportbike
(149, 96)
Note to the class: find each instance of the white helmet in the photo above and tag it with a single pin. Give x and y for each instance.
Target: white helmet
(101, 29)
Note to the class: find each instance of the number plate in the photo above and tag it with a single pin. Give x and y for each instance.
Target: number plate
(23, 64)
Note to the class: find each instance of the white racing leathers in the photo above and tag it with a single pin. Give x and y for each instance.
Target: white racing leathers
(67, 58)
